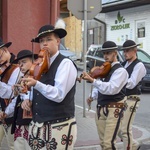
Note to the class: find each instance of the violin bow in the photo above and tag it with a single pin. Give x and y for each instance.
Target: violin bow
(89, 106)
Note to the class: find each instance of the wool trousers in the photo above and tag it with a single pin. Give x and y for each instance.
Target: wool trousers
(9, 136)
(57, 136)
(21, 138)
(108, 125)
(125, 133)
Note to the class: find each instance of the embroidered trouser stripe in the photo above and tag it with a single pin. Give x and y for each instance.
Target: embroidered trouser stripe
(69, 132)
(117, 129)
(125, 132)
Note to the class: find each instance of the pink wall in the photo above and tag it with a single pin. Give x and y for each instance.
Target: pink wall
(22, 20)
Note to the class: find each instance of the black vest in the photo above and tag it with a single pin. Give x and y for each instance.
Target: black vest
(46, 110)
(136, 90)
(106, 99)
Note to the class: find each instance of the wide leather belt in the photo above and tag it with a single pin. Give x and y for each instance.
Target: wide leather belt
(133, 98)
(112, 105)
(115, 105)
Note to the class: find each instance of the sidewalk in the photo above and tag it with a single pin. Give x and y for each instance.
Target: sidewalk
(88, 138)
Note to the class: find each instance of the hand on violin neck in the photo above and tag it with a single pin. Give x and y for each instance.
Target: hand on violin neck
(29, 81)
(87, 77)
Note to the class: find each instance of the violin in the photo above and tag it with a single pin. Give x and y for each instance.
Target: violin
(100, 71)
(41, 65)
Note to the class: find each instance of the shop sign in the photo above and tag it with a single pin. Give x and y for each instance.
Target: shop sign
(120, 23)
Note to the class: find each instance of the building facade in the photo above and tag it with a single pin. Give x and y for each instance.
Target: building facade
(132, 23)
(20, 21)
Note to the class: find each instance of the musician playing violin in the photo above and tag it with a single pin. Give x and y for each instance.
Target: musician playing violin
(8, 74)
(110, 97)
(25, 59)
(53, 125)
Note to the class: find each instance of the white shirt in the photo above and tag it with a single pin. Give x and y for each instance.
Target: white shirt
(117, 81)
(11, 106)
(6, 89)
(139, 71)
(65, 79)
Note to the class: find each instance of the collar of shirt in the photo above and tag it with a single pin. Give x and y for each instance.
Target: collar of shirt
(127, 64)
(53, 57)
(112, 64)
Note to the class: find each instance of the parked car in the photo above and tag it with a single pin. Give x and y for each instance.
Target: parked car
(66, 52)
(95, 58)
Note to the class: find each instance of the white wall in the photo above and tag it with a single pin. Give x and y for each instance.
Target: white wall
(131, 16)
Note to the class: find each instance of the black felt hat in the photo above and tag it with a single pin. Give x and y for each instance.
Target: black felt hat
(129, 44)
(2, 44)
(109, 46)
(23, 54)
(50, 29)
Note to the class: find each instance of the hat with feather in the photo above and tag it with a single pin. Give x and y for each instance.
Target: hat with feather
(57, 29)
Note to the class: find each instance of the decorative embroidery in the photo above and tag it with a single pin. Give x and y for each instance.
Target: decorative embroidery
(131, 109)
(36, 143)
(17, 133)
(52, 145)
(65, 138)
(116, 113)
(25, 134)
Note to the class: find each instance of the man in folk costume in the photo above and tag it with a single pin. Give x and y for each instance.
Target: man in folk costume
(9, 74)
(22, 118)
(54, 125)
(136, 71)
(110, 96)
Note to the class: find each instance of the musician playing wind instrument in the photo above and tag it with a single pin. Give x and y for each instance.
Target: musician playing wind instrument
(110, 97)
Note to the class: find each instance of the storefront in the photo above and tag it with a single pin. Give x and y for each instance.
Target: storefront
(132, 23)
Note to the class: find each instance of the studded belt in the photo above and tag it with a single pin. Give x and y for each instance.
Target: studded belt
(58, 120)
(133, 98)
(115, 105)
